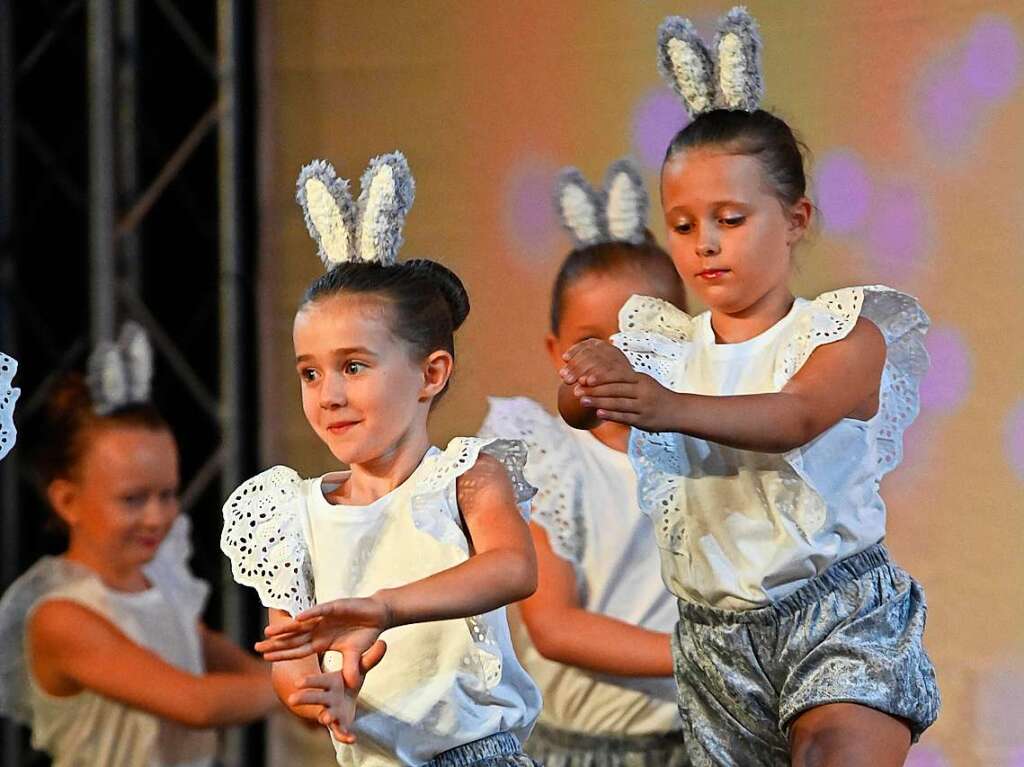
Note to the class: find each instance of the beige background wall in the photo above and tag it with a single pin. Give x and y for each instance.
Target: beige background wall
(914, 112)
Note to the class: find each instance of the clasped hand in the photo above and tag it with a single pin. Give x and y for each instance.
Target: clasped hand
(349, 626)
(602, 378)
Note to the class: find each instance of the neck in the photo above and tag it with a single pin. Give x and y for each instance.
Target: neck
(736, 327)
(376, 478)
(613, 435)
(116, 575)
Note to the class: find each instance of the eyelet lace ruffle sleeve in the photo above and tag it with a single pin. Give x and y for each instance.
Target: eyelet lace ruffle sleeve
(654, 335)
(8, 396)
(903, 324)
(552, 466)
(169, 570)
(264, 540)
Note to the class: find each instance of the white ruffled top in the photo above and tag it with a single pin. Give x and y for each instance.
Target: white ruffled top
(586, 503)
(441, 684)
(738, 529)
(8, 396)
(88, 728)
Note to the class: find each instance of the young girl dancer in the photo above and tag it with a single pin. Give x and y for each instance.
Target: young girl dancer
(422, 545)
(105, 656)
(761, 431)
(599, 590)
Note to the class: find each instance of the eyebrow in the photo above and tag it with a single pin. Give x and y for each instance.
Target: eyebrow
(341, 351)
(714, 204)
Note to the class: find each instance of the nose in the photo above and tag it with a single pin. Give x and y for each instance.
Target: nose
(332, 392)
(707, 244)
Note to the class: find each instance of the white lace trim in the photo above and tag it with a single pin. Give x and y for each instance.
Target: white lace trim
(553, 467)
(263, 538)
(654, 334)
(8, 396)
(168, 572)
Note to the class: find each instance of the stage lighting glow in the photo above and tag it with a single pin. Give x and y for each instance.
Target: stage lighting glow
(657, 117)
(842, 190)
(948, 380)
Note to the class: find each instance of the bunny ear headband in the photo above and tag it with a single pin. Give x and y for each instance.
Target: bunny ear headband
(727, 77)
(369, 229)
(8, 396)
(616, 213)
(120, 373)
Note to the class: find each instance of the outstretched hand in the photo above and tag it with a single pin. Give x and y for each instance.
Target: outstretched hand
(336, 698)
(603, 379)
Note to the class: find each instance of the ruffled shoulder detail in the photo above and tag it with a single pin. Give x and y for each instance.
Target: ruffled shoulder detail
(46, 577)
(263, 538)
(654, 335)
(169, 571)
(903, 324)
(552, 466)
(441, 469)
(8, 396)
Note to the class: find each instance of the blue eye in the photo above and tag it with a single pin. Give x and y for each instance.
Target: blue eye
(353, 367)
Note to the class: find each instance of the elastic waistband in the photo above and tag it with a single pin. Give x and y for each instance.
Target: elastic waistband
(501, 744)
(836, 575)
(607, 743)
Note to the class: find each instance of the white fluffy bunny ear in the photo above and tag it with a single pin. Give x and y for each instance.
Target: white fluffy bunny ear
(738, 49)
(627, 201)
(8, 396)
(387, 190)
(329, 212)
(685, 63)
(580, 208)
(138, 359)
(107, 378)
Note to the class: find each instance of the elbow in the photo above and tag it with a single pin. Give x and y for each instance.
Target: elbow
(199, 713)
(544, 633)
(520, 576)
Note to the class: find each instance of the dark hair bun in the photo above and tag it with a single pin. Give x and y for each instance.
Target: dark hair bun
(448, 283)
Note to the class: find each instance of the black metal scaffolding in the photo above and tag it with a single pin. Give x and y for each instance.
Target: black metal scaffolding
(125, 192)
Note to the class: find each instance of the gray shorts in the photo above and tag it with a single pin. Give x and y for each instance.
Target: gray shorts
(561, 748)
(850, 635)
(501, 750)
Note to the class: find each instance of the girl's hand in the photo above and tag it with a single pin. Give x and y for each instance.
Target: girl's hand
(350, 626)
(336, 698)
(593, 362)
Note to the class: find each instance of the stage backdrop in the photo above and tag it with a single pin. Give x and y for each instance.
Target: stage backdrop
(914, 112)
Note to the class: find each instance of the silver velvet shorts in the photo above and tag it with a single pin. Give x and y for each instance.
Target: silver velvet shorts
(561, 748)
(850, 635)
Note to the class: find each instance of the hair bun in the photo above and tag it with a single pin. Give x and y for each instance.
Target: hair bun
(447, 282)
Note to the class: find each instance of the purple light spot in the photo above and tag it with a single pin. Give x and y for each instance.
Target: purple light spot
(899, 231)
(948, 379)
(531, 223)
(998, 709)
(656, 119)
(992, 58)
(926, 756)
(1016, 757)
(1014, 439)
(948, 108)
(844, 191)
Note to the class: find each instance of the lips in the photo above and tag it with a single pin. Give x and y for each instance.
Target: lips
(712, 274)
(340, 427)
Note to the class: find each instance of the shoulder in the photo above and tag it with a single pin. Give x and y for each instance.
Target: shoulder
(59, 625)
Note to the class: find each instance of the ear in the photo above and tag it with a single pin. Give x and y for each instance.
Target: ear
(138, 357)
(328, 210)
(554, 350)
(437, 369)
(107, 378)
(386, 194)
(686, 65)
(738, 49)
(62, 494)
(580, 208)
(800, 214)
(626, 209)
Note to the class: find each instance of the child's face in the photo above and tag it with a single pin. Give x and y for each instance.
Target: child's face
(124, 496)
(362, 392)
(728, 234)
(590, 305)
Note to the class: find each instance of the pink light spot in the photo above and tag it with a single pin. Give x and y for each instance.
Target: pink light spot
(948, 380)
(657, 118)
(899, 230)
(948, 110)
(926, 756)
(992, 58)
(1014, 439)
(843, 190)
(530, 220)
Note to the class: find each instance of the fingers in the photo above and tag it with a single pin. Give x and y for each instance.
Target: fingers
(331, 722)
(293, 626)
(274, 654)
(374, 655)
(630, 419)
(611, 405)
(351, 670)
